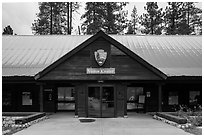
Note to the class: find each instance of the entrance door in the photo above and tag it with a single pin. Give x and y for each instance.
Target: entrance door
(66, 99)
(100, 101)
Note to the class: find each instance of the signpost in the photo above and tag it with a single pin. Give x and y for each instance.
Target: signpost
(100, 70)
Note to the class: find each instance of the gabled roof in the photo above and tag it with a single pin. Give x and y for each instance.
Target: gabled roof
(101, 34)
(171, 55)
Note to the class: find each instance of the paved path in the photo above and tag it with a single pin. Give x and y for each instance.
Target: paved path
(135, 124)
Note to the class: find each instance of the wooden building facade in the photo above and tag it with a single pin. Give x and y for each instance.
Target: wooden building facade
(99, 77)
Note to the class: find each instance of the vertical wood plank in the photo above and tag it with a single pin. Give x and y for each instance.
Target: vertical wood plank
(125, 100)
(160, 97)
(81, 101)
(76, 102)
(41, 98)
(120, 100)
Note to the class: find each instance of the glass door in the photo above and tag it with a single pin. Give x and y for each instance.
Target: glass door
(94, 104)
(107, 102)
(101, 101)
(66, 99)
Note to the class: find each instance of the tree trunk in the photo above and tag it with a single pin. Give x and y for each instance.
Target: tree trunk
(108, 17)
(70, 27)
(67, 17)
(152, 29)
(188, 15)
(79, 30)
(173, 28)
(50, 18)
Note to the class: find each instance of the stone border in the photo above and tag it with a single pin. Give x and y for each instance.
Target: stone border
(172, 117)
(19, 127)
(29, 118)
(182, 126)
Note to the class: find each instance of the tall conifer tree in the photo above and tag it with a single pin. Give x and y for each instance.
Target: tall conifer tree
(152, 20)
(106, 16)
(54, 18)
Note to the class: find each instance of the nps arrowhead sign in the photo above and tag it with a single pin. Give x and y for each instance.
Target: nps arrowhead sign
(100, 56)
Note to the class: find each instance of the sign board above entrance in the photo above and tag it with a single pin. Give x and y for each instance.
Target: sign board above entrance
(100, 70)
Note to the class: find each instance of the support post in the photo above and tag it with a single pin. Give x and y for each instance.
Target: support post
(76, 101)
(125, 101)
(159, 97)
(41, 97)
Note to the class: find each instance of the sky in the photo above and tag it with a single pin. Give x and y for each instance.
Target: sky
(21, 15)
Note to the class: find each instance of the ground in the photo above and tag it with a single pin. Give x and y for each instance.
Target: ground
(135, 124)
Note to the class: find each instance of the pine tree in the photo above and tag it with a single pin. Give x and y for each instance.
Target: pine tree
(53, 18)
(182, 17)
(94, 17)
(71, 7)
(152, 20)
(8, 30)
(116, 18)
(192, 17)
(106, 16)
(134, 22)
(173, 16)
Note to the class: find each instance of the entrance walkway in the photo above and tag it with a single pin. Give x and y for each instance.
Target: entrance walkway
(135, 124)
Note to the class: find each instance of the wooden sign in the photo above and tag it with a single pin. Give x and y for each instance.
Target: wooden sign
(100, 70)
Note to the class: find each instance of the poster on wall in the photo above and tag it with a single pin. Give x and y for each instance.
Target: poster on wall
(142, 99)
(195, 98)
(173, 100)
(26, 98)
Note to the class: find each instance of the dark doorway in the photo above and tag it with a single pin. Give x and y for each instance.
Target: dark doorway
(101, 101)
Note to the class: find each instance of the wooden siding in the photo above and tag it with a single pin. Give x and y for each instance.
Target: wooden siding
(74, 68)
(82, 102)
(100, 43)
(16, 97)
(120, 100)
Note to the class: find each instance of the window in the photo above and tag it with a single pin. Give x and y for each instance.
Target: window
(26, 98)
(195, 98)
(173, 98)
(135, 98)
(6, 98)
(66, 98)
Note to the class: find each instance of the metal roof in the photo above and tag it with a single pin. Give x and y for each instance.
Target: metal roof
(173, 55)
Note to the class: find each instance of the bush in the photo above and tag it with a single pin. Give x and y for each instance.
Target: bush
(193, 116)
(195, 120)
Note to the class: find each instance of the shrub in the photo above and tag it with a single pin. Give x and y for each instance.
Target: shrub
(195, 120)
(193, 116)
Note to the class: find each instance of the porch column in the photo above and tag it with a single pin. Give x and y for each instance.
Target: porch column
(41, 97)
(76, 101)
(159, 97)
(125, 100)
